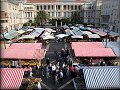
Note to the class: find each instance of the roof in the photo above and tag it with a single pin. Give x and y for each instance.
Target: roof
(11, 34)
(53, 1)
(115, 46)
(94, 52)
(22, 53)
(88, 44)
(93, 35)
(77, 36)
(26, 46)
(11, 78)
(28, 37)
(91, 49)
(102, 77)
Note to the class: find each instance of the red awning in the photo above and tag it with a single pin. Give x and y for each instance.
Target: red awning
(87, 45)
(26, 45)
(22, 54)
(91, 49)
(11, 78)
(94, 52)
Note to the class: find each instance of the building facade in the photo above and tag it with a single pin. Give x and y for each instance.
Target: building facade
(56, 9)
(90, 13)
(10, 15)
(110, 14)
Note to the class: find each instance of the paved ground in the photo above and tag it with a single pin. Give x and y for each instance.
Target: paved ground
(48, 83)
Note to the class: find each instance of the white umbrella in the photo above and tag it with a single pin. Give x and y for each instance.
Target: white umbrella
(48, 37)
(61, 35)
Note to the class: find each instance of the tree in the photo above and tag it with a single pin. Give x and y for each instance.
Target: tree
(66, 21)
(30, 22)
(41, 18)
(75, 17)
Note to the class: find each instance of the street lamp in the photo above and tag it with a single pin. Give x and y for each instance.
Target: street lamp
(1, 28)
(107, 30)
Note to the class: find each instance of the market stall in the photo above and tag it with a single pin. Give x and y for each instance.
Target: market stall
(105, 77)
(23, 54)
(11, 78)
(92, 50)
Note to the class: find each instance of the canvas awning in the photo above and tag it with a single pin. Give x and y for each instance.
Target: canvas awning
(101, 33)
(22, 54)
(49, 30)
(20, 31)
(113, 34)
(91, 49)
(93, 36)
(94, 52)
(48, 37)
(105, 77)
(77, 36)
(8, 36)
(26, 46)
(61, 35)
(27, 37)
(69, 32)
(86, 32)
(11, 34)
(87, 45)
(11, 78)
(36, 34)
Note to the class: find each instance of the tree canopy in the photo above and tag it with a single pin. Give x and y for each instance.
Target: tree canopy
(41, 18)
(75, 17)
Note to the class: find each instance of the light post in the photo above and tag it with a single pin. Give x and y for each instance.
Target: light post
(107, 30)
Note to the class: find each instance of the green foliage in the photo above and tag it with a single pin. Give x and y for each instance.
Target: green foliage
(41, 18)
(66, 21)
(75, 17)
(25, 24)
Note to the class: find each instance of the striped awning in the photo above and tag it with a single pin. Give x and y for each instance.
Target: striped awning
(11, 78)
(105, 77)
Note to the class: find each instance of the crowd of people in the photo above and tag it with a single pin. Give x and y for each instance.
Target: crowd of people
(61, 68)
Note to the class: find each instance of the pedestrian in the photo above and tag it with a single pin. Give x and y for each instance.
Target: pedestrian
(64, 72)
(71, 71)
(42, 66)
(47, 61)
(46, 71)
(31, 71)
(56, 56)
(53, 70)
(56, 79)
(63, 53)
(61, 76)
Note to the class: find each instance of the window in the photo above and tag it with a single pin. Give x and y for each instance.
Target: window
(49, 13)
(41, 7)
(48, 7)
(79, 7)
(71, 7)
(37, 7)
(64, 7)
(75, 7)
(59, 14)
(44, 7)
(68, 7)
(52, 7)
(58, 7)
